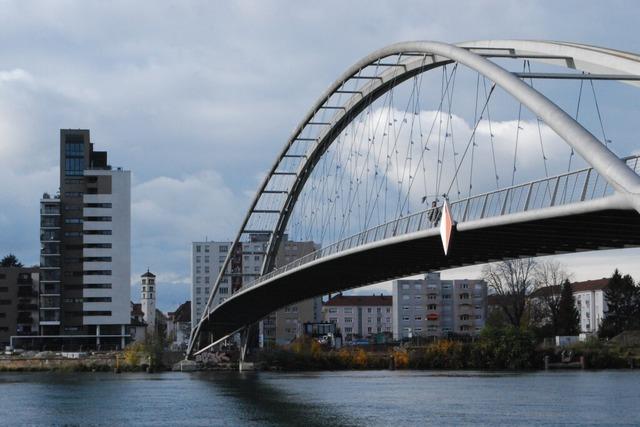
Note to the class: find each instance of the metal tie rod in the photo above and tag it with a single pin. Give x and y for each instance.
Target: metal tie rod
(265, 211)
(578, 76)
(284, 173)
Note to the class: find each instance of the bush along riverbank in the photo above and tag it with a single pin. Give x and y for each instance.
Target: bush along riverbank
(495, 349)
(137, 357)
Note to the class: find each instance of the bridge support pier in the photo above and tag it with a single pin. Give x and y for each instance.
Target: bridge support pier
(244, 343)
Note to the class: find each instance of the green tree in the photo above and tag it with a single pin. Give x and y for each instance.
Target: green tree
(623, 302)
(10, 261)
(568, 322)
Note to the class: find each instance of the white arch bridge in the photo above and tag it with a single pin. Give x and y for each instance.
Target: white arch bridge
(380, 142)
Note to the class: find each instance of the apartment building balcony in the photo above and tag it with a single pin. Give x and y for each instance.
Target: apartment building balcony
(50, 221)
(49, 302)
(49, 317)
(50, 262)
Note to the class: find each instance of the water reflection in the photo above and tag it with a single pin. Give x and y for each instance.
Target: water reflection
(263, 403)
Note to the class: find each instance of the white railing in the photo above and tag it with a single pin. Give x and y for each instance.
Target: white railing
(571, 187)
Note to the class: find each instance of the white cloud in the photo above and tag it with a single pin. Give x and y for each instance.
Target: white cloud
(175, 91)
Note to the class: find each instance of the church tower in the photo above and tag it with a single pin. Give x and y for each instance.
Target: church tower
(148, 300)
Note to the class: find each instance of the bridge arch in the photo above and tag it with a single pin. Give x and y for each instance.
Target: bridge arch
(423, 56)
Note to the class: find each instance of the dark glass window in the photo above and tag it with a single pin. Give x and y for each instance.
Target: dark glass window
(74, 149)
(74, 166)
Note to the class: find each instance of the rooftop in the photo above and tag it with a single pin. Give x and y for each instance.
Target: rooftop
(584, 286)
(359, 300)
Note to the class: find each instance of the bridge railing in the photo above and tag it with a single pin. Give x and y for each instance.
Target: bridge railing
(581, 185)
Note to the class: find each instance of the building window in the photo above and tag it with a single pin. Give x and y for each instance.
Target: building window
(223, 290)
(198, 248)
(206, 258)
(405, 286)
(333, 310)
(223, 248)
(333, 319)
(417, 286)
(348, 320)
(348, 310)
(369, 310)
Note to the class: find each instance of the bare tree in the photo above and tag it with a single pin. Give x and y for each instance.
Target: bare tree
(511, 281)
(550, 276)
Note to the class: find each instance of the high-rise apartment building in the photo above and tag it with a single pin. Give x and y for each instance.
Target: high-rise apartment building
(432, 307)
(85, 249)
(207, 260)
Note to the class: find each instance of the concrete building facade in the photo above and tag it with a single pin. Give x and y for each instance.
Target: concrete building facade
(246, 264)
(179, 326)
(18, 303)
(431, 307)
(359, 316)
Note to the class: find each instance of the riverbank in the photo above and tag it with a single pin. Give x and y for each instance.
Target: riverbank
(510, 350)
(48, 361)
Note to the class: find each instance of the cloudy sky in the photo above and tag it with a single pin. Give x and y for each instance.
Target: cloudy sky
(196, 98)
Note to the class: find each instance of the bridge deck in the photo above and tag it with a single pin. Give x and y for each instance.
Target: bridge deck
(421, 252)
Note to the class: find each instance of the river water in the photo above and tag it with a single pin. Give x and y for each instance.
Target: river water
(353, 398)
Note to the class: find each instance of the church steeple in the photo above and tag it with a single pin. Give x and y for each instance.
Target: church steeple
(148, 299)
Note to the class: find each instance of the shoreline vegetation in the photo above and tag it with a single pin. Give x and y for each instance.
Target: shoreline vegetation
(497, 349)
